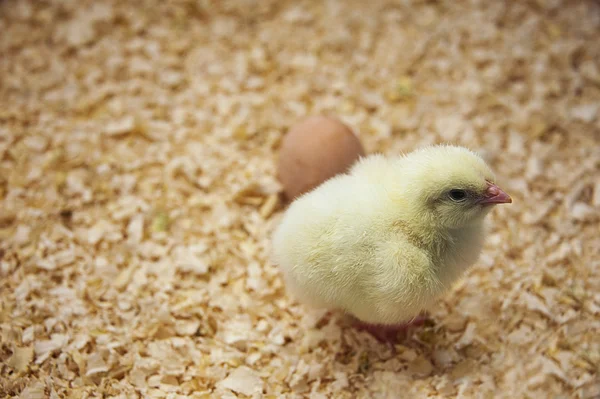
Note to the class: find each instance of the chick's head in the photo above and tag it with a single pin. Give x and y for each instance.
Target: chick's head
(454, 186)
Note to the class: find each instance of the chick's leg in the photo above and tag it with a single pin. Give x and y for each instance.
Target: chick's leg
(389, 333)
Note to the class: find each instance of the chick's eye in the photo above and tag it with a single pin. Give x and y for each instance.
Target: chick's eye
(457, 195)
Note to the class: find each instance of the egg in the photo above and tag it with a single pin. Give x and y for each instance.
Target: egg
(313, 151)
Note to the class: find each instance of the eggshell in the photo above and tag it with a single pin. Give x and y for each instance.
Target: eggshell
(315, 150)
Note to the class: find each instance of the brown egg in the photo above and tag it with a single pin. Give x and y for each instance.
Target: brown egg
(315, 150)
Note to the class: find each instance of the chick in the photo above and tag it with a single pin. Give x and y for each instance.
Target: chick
(384, 241)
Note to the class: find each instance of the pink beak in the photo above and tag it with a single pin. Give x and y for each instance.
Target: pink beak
(495, 195)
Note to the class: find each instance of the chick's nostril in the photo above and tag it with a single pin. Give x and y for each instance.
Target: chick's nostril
(493, 191)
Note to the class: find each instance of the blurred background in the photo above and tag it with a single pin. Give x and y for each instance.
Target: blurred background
(138, 192)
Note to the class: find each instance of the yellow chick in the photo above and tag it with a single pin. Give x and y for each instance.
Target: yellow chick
(385, 240)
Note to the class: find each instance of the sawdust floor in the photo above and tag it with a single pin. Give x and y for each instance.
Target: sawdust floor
(138, 192)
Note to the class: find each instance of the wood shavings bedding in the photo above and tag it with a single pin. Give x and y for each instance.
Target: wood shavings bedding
(138, 143)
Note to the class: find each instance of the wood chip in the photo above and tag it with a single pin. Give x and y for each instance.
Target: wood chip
(121, 126)
(21, 359)
(269, 206)
(243, 380)
(420, 367)
(95, 365)
(45, 348)
(34, 390)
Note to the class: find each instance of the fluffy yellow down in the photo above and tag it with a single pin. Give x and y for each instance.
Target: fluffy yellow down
(384, 241)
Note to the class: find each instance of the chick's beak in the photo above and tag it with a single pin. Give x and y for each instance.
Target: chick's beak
(495, 195)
